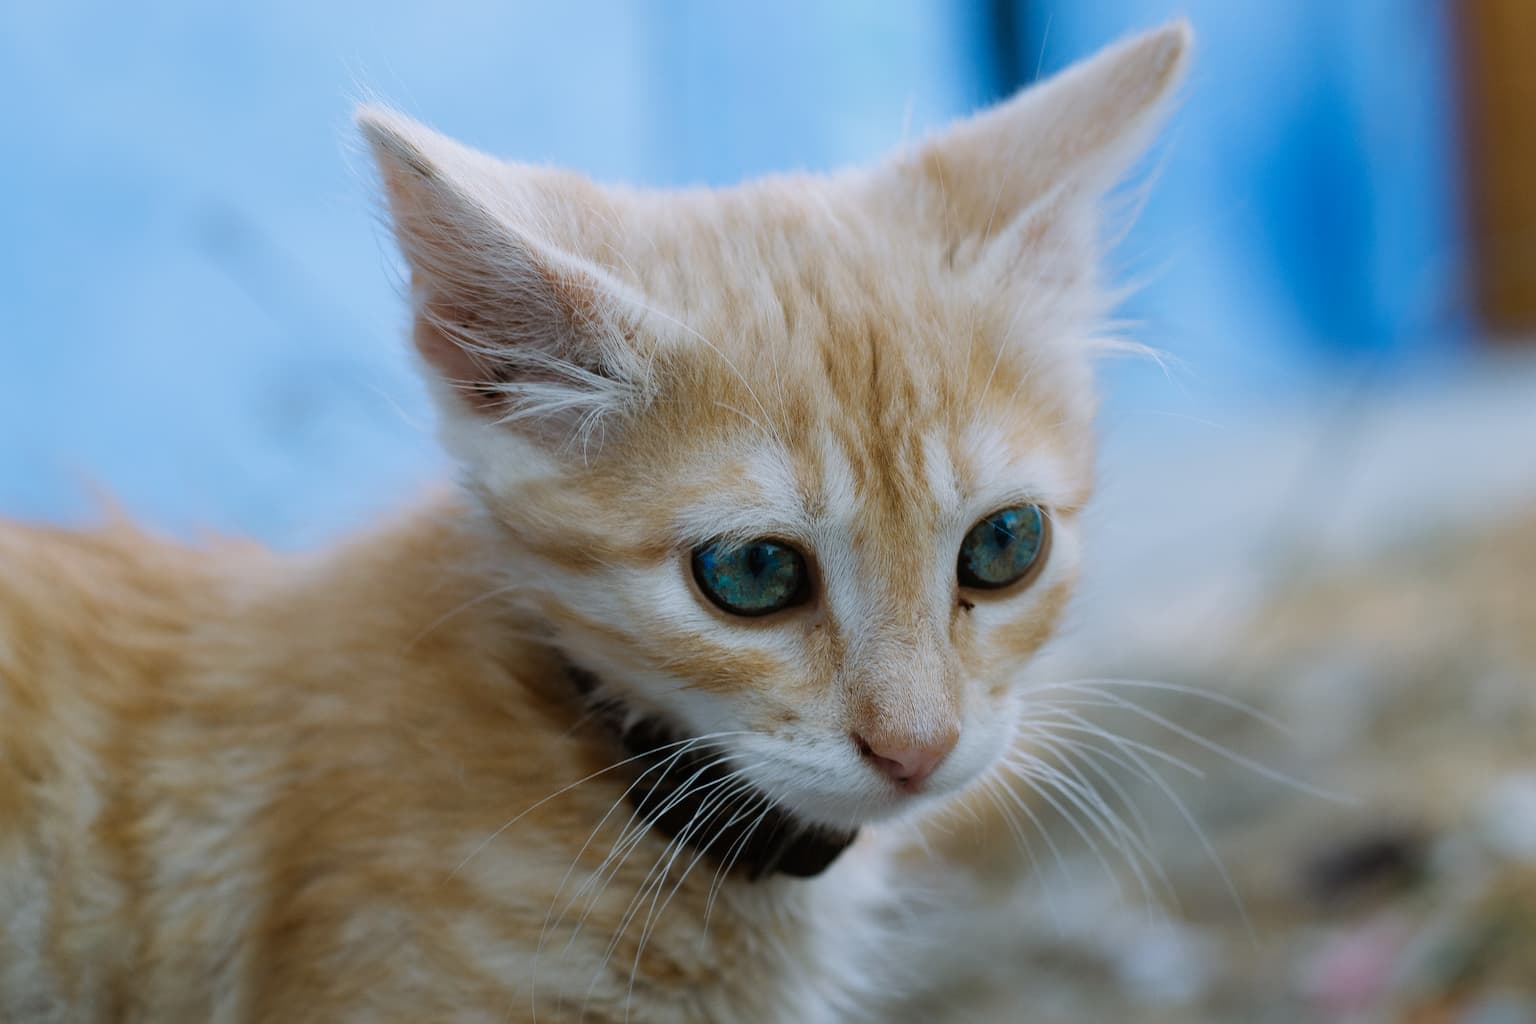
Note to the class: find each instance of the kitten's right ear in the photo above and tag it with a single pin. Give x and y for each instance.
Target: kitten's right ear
(522, 331)
(1043, 158)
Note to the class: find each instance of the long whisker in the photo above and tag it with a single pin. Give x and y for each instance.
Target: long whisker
(566, 789)
(1257, 767)
(1091, 756)
(1031, 768)
(1131, 844)
(1207, 847)
(1075, 722)
(451, 613)
(990, 786)
(656, 876)
(743, 794)
(1023, 806)
(729, 861)
(634, 843)
(628, 841)
(746, 416)
(683, 747)
(701, 819)
(1198, 692)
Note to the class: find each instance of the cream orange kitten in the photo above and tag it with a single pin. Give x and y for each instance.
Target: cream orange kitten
(768, 494)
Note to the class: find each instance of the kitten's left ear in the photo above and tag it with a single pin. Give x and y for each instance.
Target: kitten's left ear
(1058, 145)
(520, 330)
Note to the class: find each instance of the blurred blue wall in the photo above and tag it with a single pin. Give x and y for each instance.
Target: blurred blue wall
(200, 315)
(1304, 215)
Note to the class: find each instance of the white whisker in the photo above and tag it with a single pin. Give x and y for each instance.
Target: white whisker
(1257, 767)
(564, 789)
(1038, 771)
(1198, 692)
(1189, 819)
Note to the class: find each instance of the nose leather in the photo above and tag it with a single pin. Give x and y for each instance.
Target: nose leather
(907, 763)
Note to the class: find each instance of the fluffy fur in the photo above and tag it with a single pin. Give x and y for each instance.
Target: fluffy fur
(358, 786)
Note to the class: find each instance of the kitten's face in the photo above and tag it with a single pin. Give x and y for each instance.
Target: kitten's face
(750, 447)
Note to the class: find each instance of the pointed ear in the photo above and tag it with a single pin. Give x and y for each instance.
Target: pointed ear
(1064, 141)
(521, 330)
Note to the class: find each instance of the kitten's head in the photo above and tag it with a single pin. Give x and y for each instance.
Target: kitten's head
(798, 462)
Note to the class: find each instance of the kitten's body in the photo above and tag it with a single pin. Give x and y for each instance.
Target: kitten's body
(366, 785)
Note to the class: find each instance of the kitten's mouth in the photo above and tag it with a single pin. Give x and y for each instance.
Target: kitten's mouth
(685, 789)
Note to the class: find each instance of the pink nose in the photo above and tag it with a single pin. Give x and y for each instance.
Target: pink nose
(907, 764)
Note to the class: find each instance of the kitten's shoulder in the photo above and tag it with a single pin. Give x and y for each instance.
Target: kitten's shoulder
(91, 615)
(70, 580)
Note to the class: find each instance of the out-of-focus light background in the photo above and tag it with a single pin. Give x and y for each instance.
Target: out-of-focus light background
(200, 315)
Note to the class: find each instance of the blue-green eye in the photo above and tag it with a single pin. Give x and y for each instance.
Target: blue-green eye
(1002, 548)
(754, 578)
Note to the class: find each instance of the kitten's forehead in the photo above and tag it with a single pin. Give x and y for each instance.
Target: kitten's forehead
(859, 372)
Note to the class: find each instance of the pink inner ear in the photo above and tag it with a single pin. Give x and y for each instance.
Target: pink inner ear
(456, 365)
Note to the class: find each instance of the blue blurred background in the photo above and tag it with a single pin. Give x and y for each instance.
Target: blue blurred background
(201, 311)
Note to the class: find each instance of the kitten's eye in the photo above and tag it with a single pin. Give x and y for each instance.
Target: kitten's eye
(1002, 548)
(755, 578)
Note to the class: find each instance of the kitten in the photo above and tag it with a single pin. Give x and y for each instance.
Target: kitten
(769, 492)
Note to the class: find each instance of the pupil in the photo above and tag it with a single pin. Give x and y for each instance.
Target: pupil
(1000, 535)
(756, 559)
